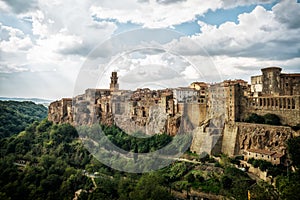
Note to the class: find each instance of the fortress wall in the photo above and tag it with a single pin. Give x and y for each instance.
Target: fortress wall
(289, 117)
(286, 107)
(229, 141)
(196, 113)
(198, 138)
(206, 139)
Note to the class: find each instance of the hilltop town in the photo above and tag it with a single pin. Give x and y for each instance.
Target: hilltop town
(216, 114)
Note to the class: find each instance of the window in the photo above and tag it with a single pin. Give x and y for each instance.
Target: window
(274, 158)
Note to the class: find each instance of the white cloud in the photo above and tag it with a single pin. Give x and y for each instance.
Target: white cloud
(16, 40)
(288, 12)
(52, 38)
(258, 34)
(153, 14)
(234, 3)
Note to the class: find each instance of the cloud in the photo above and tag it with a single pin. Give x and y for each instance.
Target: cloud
(13, 39)
(234, 3)
(169, 1)
(258, 34)
(288, 13)
(21, 6)
(53, 39)
(154, 14)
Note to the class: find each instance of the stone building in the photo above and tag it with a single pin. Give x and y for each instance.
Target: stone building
(214, 111)
(277, 93)
(60, 111)
(114, 85)
(258, 154)
(274, 83)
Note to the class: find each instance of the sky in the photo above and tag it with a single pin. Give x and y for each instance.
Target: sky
(57, 48)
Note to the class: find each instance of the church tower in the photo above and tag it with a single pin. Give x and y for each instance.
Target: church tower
(114, 81)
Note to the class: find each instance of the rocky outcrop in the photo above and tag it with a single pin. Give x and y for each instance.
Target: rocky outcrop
(260, 136)
(238, 137)
(61, 111)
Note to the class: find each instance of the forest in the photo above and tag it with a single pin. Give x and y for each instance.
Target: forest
(49, 161)
(15, 116)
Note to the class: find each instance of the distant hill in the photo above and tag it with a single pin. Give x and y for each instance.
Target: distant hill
(15, 116)
(45, 102)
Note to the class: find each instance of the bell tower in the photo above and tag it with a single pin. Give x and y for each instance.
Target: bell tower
(114, 85)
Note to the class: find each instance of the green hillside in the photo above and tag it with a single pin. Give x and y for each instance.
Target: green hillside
(48, 161)
(15, 116)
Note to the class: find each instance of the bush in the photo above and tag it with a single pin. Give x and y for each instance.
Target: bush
(272, 119)
(255, 118)
(296, 128)
(269, 118)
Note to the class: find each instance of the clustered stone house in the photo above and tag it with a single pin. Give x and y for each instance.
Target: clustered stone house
(215, 110)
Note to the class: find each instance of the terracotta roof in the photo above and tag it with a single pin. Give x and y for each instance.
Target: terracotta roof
(277, 155)
(266, 152)
(261, 151)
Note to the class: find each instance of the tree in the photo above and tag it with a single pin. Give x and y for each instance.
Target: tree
(255, 118)
(293, 145)
(149, 188)
(271, 119)
(226, 182)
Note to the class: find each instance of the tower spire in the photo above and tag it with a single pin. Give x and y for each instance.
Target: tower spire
(114, 85)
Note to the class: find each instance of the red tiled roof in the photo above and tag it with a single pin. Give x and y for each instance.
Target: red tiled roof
(266, 152)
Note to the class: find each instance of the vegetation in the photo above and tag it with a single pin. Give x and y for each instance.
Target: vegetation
(296, 128)
(293, 146)
(15, 116)
(136, 144)
(269, 118)
(48, 161)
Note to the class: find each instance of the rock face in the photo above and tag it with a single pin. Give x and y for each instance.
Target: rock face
(61, 111)
(242, 136)
(259, 136)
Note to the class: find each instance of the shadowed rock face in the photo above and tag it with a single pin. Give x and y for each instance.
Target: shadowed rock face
(258, 136)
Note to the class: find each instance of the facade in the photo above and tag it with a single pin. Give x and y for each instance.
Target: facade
(274, 83)
(274, 92)
(216, 109)
(258, 154)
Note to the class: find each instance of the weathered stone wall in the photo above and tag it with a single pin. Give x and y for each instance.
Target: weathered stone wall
(240, 136)
(286, 107)
(206, 139)
(229, 140)
(60, 111)
(260, 136)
